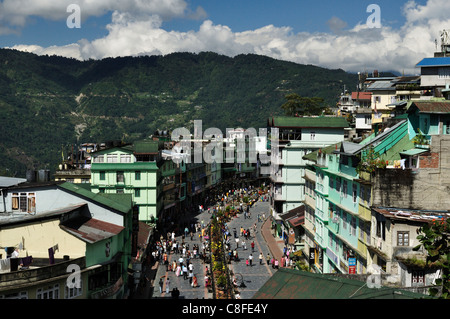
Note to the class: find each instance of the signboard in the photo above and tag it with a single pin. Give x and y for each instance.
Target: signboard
(352, 265)
(291, 236)
(312, 256)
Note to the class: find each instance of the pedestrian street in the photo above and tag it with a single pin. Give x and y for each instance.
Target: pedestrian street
(248, 278)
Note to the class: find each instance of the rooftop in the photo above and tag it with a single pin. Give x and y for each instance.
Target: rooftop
(417, 215)
(430, 62)
(442, 107)
(294, 284)
(310, 121)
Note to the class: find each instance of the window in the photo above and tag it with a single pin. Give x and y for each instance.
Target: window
(119, 191)
(354, 192)
(24, 202)
(368, 119)
(353, 226)
(368, 189)
(17, 295)
(73, 292)
(403, 238)
(344, 188)
(137, 175)
(418, 277)
(111, 158)
(137, 192)
(50, 292)
(120, 177)
(344, 220)
(444, 73)
(99, 159)
(101, 190)
(381, 224)
(125, 158)
(102, 176)
(313, 136)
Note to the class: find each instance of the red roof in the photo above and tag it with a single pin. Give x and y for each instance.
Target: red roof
(91, 230)
(361, 95)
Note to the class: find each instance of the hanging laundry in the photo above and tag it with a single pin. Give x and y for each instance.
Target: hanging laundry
(5, 265)
(26, 261)
(14, 262)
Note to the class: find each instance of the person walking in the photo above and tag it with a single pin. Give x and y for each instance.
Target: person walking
(161, 284)
(250, 259)
(167, 285)
(268, 259)
(260, 258)
(253, 246)
(185, 272)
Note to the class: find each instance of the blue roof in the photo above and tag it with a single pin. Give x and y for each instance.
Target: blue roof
(434, 61)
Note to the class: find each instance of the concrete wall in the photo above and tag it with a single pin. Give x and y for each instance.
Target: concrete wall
(426, 188)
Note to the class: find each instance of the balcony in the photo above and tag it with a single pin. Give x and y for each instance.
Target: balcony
(277, 178)
(278, 196)
(36, 273)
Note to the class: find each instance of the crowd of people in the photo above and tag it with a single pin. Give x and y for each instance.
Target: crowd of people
(174, 242)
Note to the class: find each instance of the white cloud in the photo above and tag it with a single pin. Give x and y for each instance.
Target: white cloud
(353, 49)
(17, 12)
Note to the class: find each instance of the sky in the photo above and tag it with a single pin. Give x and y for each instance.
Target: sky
(353, 35)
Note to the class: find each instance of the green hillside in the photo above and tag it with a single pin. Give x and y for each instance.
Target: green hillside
(49, 103)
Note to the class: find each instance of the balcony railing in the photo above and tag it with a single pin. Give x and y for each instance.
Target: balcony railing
(34, 274)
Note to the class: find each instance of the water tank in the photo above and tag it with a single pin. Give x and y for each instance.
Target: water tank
(43, 175)
(31, 176)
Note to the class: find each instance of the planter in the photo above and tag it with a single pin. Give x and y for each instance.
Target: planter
(422, 146)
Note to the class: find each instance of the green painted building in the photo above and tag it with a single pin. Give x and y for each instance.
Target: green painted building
(131, 169)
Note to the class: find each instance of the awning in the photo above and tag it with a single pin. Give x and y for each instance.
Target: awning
(297, 221)
(414, 151)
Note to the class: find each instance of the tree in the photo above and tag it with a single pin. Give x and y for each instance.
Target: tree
(434, 237)
(297, 104)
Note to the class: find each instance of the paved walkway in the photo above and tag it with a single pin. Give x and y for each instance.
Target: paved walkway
(253, 276)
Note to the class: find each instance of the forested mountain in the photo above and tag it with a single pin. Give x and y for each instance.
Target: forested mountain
(49, 103)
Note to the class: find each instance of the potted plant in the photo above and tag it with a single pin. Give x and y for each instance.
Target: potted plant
(420, 140)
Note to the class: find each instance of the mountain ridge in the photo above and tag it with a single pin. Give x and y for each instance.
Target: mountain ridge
(48, 103)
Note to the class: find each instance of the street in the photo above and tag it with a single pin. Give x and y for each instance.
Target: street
(249, 278)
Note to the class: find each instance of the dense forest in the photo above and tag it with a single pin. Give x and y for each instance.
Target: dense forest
(49, 103)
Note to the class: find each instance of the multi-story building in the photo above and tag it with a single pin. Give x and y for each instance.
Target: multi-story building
(383, 94)
(298, 136)
(131, 169)
(365, 219)
(71, 243)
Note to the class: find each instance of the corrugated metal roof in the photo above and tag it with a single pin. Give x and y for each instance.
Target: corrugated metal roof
(296, 284)
(381, 85)
(361, 95)
(431, 107)
(319, 121)
(10, 181)
(91, 230)
(429, 62)
(120, 203)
